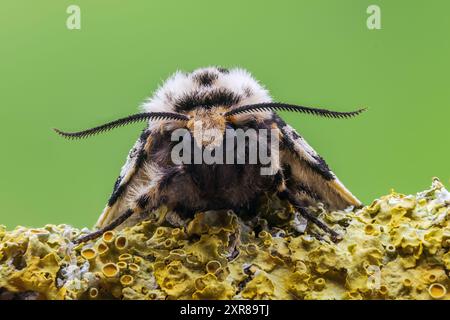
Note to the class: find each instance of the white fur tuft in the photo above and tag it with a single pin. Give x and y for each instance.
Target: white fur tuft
(181, 84)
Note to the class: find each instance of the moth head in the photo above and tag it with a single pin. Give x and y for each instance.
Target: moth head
(207, 125)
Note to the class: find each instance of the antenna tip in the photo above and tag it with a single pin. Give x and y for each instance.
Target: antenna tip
(62, 133)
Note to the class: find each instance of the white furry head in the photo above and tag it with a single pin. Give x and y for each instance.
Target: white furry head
(211, 86)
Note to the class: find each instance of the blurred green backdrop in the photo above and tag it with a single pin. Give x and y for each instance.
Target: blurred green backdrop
(308, 52)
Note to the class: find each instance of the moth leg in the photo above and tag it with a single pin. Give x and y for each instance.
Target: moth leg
(149, 199)
(115, 223)
(141, 205)
(308, 216)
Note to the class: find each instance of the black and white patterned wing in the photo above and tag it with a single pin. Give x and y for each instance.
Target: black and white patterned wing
(307, 173)
(117, 201)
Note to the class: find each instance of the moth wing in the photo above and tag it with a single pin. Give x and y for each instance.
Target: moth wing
(310, 176)
(118, 200)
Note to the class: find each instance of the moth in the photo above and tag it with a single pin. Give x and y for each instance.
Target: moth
(222, 99)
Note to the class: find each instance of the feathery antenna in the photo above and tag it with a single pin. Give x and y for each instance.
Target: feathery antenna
(122, 122)
(276, 106)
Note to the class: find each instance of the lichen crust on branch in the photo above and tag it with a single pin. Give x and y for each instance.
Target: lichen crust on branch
(395, 248)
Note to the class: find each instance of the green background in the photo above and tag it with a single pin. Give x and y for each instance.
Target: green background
(316, 53)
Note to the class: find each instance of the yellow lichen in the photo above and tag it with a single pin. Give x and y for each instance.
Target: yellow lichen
(125, 257)
(213, 266)
(396, 248)
(108, 236)
(261, 287)
(110, 270)
(437, 291)
(121, 242)
(89, 254)
(126, 280)
(133, 267)
(93, 293)
(102, 248)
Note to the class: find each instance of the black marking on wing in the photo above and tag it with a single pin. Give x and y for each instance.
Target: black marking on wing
(120, 187)
(143, 201)
(297, 185)
(278, 179)
(310, 193)
(320, 167)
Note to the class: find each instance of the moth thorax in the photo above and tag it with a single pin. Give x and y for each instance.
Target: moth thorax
(207, 126)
